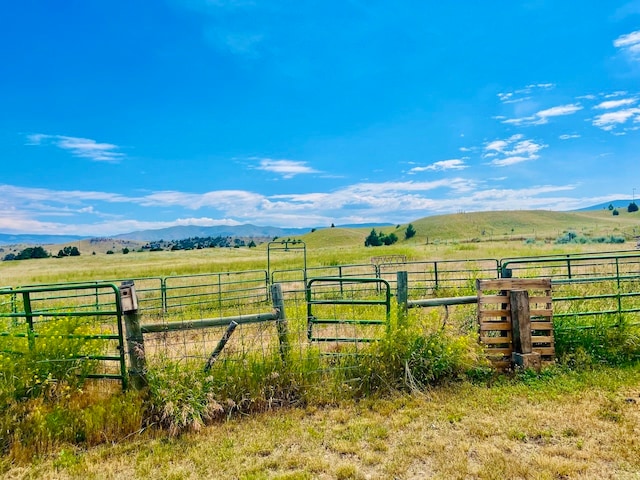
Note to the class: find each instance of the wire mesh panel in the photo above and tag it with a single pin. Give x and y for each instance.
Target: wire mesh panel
(63, 332)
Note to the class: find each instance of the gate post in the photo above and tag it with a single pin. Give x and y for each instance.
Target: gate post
(523, 355)
(402, 296)
(281, 322)
(135, 340)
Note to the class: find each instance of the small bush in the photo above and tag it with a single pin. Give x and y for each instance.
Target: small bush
(410, 359)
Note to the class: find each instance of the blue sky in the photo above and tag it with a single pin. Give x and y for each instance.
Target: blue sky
(127, 115)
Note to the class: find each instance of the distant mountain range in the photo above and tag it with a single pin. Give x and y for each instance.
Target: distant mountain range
(176, 233)
(237, 231)
(28, 239)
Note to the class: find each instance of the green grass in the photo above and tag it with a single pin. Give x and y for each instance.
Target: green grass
(559, 424)
(419, 403)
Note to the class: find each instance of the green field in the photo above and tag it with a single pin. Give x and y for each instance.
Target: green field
(458, 236)
(577, 419)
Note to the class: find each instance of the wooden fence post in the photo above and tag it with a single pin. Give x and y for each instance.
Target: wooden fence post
(523, 355)
(135, 339)
(281, 323)
(402, 296)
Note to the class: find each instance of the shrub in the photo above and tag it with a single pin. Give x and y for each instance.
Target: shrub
(409, 359)
(633, 207)
(409, 232)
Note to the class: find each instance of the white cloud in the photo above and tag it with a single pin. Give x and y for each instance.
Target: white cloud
(80, 147)
(542, 117)
(453, 164)
(503, 162)
(627, 40)
(559, 111)
(619, 93)
(609, 104)
(286, 168)
(568, 136)
(522, 94)
(608, 121)
(512, 150)
(358, 203)
(629, 44)
(544, 86)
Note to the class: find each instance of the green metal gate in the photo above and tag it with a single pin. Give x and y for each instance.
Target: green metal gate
(73, 329)
(347, 309)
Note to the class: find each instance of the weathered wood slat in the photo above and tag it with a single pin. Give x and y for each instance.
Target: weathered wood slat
(544, 300)
(514, 284)
(491, 326)
(541, 312)
(495, 313)
(495, 318)
(493, 299)
(541, 325)
(538, 340)
(496, 340)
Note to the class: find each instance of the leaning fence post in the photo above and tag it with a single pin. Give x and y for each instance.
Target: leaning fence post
(402, 296)
(135, 339)
(281, 322)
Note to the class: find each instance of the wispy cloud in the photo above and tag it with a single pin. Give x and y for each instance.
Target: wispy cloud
(515, 149)
(609, 104)
(568, 136)
(610, 120)
(542, 117)
(357, 203)
(285, 168)
(629, 44)
(523, 94)
(453, 164)
(80, 147)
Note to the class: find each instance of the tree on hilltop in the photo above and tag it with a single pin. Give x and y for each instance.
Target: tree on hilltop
(409, 232)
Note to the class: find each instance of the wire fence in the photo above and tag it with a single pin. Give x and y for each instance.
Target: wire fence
(327, 312)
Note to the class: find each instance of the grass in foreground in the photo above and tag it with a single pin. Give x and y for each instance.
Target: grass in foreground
(557, 425)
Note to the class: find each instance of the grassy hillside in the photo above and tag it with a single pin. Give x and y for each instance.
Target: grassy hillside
(490, 226)
(538, 224)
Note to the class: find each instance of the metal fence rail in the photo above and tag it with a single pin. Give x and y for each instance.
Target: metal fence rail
(215, 291)
(67, 327)
(332, 303)
(440, 278)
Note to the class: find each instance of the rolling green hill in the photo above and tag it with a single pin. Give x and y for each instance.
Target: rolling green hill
(491, 226)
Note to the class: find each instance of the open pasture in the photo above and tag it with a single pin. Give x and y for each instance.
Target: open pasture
(431, 355)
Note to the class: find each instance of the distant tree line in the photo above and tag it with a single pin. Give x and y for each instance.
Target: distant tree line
(39, 252)
(197, 243)
(376, 239)
(69, 252)
(28, 253)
